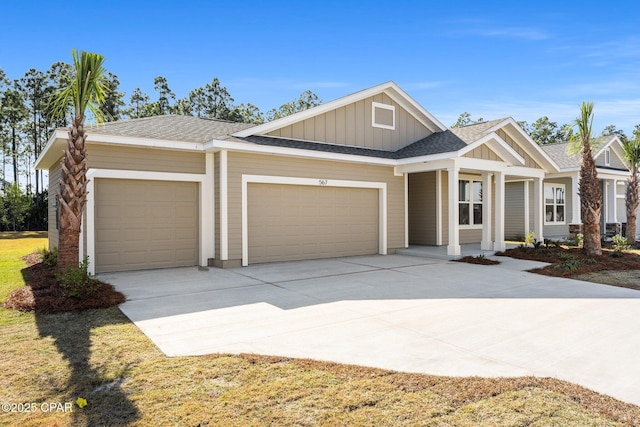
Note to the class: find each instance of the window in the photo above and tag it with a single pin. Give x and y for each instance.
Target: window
(554, 204)
(607, 157)
(469, 202)
(383, 116)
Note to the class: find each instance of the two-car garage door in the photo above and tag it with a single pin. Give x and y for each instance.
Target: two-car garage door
(142, 224)
(293, 222)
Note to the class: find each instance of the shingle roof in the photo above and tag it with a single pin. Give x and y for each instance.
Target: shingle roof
(439, 142)
(199, 130)
(472, 133)
(560, 155)
(172, 128)
(559, 152)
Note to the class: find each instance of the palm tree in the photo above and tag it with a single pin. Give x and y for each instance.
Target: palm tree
(632, 155)
(86, 90)
(589, 186)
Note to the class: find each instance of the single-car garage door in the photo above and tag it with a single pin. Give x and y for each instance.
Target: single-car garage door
(145, 224)
(293, 222)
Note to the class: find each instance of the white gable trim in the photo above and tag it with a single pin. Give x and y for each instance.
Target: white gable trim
(534, 150)
(616, 148)
(499, 146)
(390, 88)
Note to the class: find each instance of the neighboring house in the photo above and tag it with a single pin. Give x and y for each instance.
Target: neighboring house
(368, 173)
(561, 199)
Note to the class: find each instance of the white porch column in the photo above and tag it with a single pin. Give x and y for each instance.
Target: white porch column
(575, 200)
(207, 220)
(487, 243)
(454, 227)
(499, 245)
(439, 207)
(538, 209)
(611, 201)
(527, 228)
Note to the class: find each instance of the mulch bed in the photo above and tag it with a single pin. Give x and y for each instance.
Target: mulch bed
(42, 294)
(478, 260)
(570, 262)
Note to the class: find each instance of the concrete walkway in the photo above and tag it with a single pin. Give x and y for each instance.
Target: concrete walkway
(398, 312)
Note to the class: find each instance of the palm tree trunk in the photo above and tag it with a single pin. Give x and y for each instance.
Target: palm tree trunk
(591, 202)
(632, 202)
(72, 195)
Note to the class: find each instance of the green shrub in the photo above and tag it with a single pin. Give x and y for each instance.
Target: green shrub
(530, 239)
(620, 244)
(50, 258)
(76, 282)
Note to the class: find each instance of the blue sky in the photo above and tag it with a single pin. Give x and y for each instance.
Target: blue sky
(492, 59)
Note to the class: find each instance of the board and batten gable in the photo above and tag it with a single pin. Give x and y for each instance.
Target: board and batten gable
(273, 165)
(484, 153)
(529, 162)
(615, 162)
(352, 125)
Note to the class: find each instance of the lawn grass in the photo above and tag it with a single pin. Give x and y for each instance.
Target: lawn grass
(102, 357)
(13, 246)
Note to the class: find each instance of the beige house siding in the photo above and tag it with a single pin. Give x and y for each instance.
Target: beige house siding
(561, 230)
(144, 159)
(245, 163)
(483, 152)
(422, 208)
(54, 177)
(528, 160)
(352, 125)
(470, 235)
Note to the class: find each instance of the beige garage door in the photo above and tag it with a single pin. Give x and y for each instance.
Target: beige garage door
(145, 224)
(292, 222)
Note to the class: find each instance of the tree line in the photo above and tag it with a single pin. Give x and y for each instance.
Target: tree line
(27, 119)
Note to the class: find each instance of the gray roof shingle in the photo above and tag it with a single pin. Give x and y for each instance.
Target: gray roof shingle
(474, 132)
(560, 155)
(172, 128)
(559, 152)
(199, 130)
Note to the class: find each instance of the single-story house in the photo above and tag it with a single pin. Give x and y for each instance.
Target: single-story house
(561, 199)
(368, 173)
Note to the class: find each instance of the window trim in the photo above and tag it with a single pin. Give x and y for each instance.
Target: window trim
(388, 107)
(607, 157)
(471, 202)
(555, 187)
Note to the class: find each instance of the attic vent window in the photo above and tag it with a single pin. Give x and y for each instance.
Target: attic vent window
(383, 116)
(607, 157)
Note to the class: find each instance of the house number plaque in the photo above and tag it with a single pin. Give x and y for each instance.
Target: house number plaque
(322, 182)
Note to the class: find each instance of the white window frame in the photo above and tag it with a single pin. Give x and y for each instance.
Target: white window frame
(391, 108)
(607, 157)
(555, 203)
(471, 202)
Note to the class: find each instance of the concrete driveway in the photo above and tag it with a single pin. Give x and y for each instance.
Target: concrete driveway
(398, 312)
